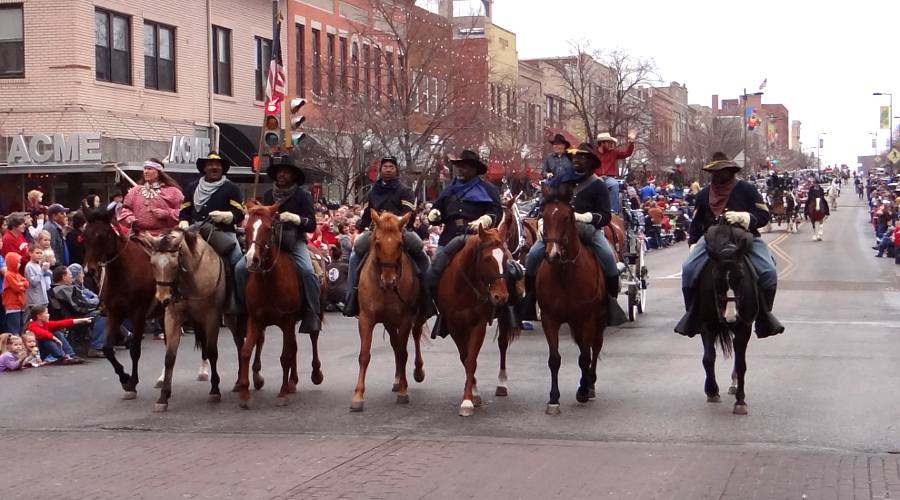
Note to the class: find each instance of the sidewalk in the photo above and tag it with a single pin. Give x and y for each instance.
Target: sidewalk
(257, 466)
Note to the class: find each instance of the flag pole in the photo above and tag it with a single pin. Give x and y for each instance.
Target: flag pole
(262, 129)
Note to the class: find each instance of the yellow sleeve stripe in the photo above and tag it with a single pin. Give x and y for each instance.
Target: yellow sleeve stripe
(235, 204)
(762, 206)
(186, 204)
(411, 205)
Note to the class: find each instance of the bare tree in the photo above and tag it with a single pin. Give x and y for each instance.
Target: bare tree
(342, 141)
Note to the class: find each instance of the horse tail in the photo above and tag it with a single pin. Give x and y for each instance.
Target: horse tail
(505, 329)
(200, 339)
(725, 336)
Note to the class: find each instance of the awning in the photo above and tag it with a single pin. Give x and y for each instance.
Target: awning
(238, 143)
(549, 132)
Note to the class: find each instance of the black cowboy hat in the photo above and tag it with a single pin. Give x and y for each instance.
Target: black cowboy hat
(559, 139)
(213, 156)
(584, 149)
(468, 157)
(276, 163)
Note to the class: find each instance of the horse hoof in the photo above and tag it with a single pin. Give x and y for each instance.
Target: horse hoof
(713, 399)
(161, 407)
(258, 382)
(732, 390)
(476, 400)
(129, 395)
(466, 409)
(357, 406)
(244, 405)
(741, 409)
(582, 396)
(552, 409)
(592, 394)
(158, 384)
(236, 388)
(419, 376)
(214, 398)
(281, 401)
(202, 377)
(395, 387)
(501, 391)
(317, 377)
(402, 399)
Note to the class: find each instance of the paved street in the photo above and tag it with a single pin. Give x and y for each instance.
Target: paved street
(823, 401)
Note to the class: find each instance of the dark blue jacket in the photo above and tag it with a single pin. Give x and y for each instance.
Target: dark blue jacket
(744, 198)
(300, 203)
(398, 201)
(554, 163)
(457, 214)
(226, 199)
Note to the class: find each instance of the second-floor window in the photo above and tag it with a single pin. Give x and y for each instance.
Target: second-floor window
(12, 42)
(263, 56)
(330, 56)
(316, 62)
(301, 59)
(159, 57)
(221, 60)
(112, 47)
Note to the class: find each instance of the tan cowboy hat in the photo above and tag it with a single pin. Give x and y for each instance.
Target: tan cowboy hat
(605, 137)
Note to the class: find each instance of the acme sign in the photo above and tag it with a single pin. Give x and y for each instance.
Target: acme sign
(56, 148)
(187, 149)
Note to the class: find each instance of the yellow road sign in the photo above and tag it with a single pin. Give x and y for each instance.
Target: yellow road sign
(894, 155)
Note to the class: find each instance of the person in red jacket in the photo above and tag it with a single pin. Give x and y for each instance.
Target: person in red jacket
(14, 286)
(14, 239)
(51, 342)
(609, 156)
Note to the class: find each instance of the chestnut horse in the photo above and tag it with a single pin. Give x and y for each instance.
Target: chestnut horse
(274, 296)
(470, 290)
(570, 289)
(816, 213)
(127, 289)
(389, 293)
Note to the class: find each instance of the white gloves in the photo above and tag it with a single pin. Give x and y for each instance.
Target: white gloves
(540, 232)
(484, 222)
(289, 217)
(691, 247)
(183, 225)
(221, 217)
(585, 217)
(740, 218)
(434, 215)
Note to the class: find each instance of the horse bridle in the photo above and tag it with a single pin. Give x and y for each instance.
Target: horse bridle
(565, 239)
(265, 251)
(173, 285)
(489, 279)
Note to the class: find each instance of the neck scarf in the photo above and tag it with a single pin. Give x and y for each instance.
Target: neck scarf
(205, 190)
(568, 174)
(473, 191)
(719, 194)
(285, 193)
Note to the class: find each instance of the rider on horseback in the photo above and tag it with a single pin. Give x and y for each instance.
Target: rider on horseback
(213, 206)
(297, 216)
(741, 204)
(465, 205)
(816, 192)
(387, 195)
(591, 204)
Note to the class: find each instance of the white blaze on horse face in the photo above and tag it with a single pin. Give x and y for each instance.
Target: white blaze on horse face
(818, 202)
(730, 308)
(498, 256)
(252, 251)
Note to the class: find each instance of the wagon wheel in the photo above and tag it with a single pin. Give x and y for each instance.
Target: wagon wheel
(643, 281)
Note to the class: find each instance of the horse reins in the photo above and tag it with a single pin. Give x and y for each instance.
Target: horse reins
(564, 239)
(493, 278)
(266, 249)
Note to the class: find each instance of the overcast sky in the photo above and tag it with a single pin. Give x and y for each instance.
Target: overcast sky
(822, 61)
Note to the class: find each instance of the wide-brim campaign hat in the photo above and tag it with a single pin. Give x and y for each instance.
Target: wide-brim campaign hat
(468, 157)
(720, 165)
(201, 163)
(279, 162)
(560, 139)
(584, 149)
(605, 137)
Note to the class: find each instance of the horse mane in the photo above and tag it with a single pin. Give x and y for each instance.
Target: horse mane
(560, 193)
(99, 215)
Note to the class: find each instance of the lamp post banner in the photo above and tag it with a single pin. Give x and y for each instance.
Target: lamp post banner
(885, 117)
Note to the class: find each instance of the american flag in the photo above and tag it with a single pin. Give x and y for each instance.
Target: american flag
(276, 80)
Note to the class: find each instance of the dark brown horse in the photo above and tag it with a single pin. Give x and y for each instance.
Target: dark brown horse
(127, 289)
(570, 289)
(615, 235)
(518, 243)
(470, 290)
(274, 296)
(816, 210)
(389, 293)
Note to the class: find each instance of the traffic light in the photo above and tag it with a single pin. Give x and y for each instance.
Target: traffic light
(272, 125)
(296, 121)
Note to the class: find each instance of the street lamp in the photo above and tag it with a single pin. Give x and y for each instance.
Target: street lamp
(891, 111)
(745, 122)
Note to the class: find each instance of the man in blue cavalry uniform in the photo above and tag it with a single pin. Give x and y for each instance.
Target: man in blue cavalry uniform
(592, 212)
(213, 206)
(742, 205)
(816, 191)
(387, 195)
(462, 207)
(297, 215)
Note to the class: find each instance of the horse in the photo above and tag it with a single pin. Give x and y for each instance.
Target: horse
(570, 289)
(471, 288)
(389, 293)
(728, 305)
(782, 208)
(520, 235)
(273, 297)
(816, 213)
(191, 284)
(127, 288)
(833, 193)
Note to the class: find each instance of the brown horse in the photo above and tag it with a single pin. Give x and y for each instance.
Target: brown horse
(389, 293)
(127, 289)
(570, 289)
(274, 296)
(519, 244)
(470, 290)
(615, 235)
(817, 211)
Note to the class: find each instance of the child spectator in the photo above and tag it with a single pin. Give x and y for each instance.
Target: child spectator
(12, 353)
(44, 243)
(14, 288)
(37, 272)
(53, 344)
(66, 301)
(33, 357)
